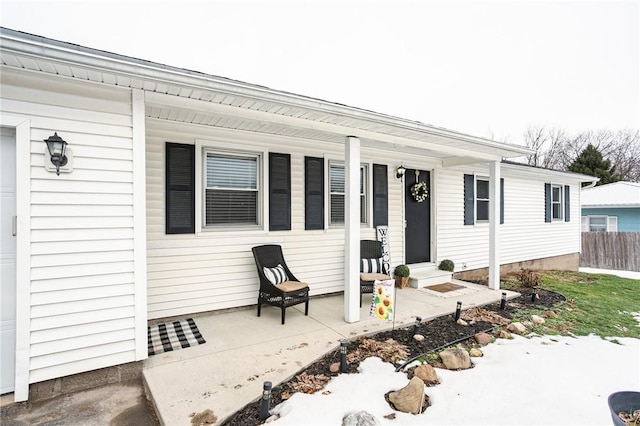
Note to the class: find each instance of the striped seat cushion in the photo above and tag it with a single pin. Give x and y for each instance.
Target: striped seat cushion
(275, 275)
(372, 266)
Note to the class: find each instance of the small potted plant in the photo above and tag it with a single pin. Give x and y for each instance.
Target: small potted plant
(446, 265)
(401, 274)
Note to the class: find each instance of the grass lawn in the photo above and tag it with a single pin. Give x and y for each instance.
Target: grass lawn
(597, 304)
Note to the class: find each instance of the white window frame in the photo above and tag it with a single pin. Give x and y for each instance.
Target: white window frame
(365, 218)
(476, 199)
(559, 202)
(227, 148)
(603, 226)
(610, 223)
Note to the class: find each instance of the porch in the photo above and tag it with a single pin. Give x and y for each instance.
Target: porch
(242, 351)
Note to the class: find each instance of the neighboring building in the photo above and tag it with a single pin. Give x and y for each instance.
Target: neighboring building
(174, 175)
(614, 207)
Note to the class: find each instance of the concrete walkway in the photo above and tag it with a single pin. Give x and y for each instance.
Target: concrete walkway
(243, 351)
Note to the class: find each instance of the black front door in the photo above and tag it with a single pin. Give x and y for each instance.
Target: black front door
(418, 217)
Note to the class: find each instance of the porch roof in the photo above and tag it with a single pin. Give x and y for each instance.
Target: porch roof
(181, 95)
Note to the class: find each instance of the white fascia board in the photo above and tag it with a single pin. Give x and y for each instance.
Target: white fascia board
(610, 206)
(557, 175)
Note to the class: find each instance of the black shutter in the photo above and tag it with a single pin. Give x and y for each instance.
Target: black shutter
(547, 202)
(313, 193)
(501, 201)
(469, 199)
(279, 192)
(567, 203)
(380, 195)
(180, 189)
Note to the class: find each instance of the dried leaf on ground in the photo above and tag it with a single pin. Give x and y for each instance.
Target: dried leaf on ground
(388, 351)
(479, 314)
(309, 383)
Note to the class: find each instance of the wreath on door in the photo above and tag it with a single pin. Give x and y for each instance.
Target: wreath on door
(419, 190)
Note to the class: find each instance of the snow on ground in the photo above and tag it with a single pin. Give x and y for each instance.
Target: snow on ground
(623, 274)
(549, 380)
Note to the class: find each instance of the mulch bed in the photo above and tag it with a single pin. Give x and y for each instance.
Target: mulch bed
(438, 332)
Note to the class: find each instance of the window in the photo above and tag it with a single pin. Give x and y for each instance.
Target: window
(597, 224)
(482, 199)
(337, 192)
(231, 190)
(476, 199)
(556, 202)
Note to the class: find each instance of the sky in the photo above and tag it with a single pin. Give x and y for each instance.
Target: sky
(485, 68)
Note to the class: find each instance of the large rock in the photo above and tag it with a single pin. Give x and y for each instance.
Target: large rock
(360, 418)
(475, 353)
(483, 339)
(517, 327)
(536, 319)
(504, 334)
(427, 374)
(410, 398)
(455, 359)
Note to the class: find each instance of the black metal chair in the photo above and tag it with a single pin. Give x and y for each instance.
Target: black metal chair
(283, 294)
(370, 249)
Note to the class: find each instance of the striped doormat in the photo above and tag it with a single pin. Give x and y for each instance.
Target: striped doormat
(172, 336)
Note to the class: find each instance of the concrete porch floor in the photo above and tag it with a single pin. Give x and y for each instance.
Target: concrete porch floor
(242, 351)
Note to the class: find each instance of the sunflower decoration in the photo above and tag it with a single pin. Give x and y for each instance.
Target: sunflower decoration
(382, 303)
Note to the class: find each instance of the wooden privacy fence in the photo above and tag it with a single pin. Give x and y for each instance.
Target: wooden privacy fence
(611, 250)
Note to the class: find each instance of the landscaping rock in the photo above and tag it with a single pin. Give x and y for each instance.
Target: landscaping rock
(335, 367)
(418, 337)
(475, 353)
(537, 319)
(462, 322)
(517, 327)
(427, 374)
(410, 398)
(360, 418)
(504, 334)
(549, 314)
(455, 359)
(483, 338)
(527, 324)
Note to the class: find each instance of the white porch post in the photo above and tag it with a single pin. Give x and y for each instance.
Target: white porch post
(494, 225)
(352, 229)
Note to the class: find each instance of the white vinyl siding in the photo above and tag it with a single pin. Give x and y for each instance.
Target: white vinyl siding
(523, 236)
(82, 312)
(190, 273)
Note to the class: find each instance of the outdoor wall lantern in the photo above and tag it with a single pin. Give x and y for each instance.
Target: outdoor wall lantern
(400, 171)
(57, 153)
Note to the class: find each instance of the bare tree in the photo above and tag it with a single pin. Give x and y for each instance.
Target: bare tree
(548, 143)
(555, 149)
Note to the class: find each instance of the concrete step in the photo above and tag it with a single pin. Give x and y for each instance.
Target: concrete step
(426, 277)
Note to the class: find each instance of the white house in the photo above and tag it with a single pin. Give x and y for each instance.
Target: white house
(173, 175)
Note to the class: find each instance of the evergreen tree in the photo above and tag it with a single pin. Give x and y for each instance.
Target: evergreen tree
(590, 162)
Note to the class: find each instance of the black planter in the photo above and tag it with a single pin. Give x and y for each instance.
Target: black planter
(623, 401)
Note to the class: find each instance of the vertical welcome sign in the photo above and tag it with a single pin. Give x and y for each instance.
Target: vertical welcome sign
(383, 236)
